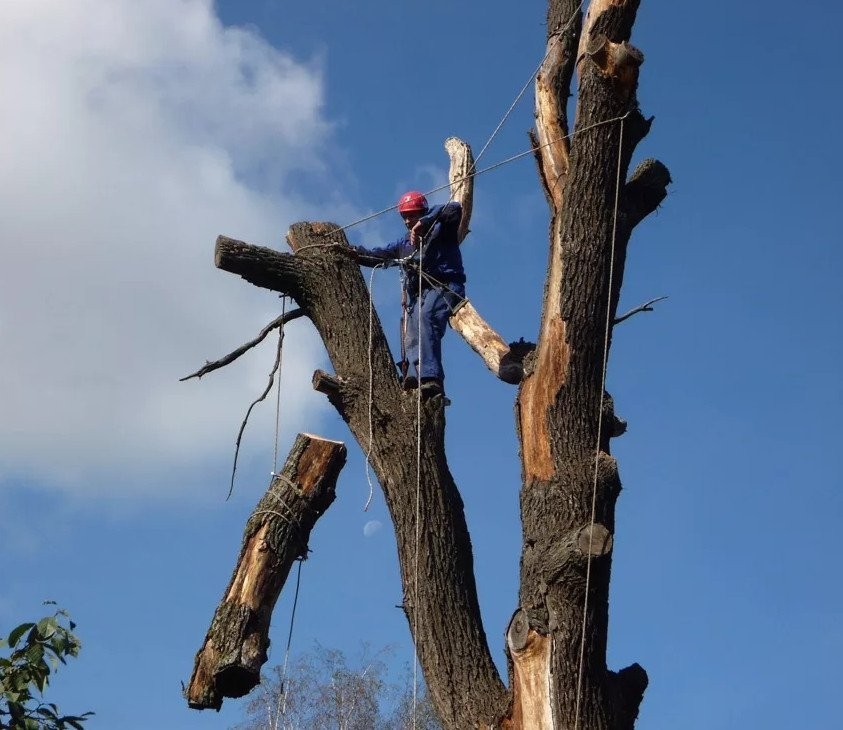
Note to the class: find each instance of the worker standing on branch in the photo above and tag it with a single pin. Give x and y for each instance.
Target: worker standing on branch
(432, 237)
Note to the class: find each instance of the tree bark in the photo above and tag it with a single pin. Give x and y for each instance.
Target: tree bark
(567, 466)
(276, 534)
(556, 641)
(434, 548)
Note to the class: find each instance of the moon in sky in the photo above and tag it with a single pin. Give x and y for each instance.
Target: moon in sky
(371, 527)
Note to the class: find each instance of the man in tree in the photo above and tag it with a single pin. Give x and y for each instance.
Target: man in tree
(432, 237)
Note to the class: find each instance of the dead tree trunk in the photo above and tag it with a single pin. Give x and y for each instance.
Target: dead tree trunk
(557, 638)
(571, 482)
(276, 534)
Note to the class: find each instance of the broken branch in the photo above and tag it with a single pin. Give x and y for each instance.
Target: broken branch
(209, 367)
(276, 534)
(645, 191)
(646, 307)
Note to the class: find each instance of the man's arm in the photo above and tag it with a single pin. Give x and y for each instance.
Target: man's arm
(449, 214)
(379, 255)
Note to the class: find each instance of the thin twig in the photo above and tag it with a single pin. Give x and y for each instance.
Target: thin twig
(646, 307)
(231, 357)
(254, 403)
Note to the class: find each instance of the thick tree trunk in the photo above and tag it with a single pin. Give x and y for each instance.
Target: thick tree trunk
(556, 641)
(571, 482)
(276, 534)
(434, 548)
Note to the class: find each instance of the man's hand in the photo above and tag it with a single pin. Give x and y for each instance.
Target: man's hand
(348, 250)
(416, 233)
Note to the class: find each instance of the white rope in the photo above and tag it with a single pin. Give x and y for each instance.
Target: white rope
(418, 481)
(556, 36)
(599, 431)
(289, 643)
(371, 387)
(458, 180)
(278, 391)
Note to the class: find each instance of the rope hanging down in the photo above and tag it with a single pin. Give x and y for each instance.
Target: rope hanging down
(289, 643)
(421, 276)
(371, 387)
(276, 368)
(599, 430)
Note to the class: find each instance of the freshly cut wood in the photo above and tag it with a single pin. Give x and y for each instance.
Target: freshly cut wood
(461, 180)
(466, 321)
(487, 343)
(556, 643)
(276, 534)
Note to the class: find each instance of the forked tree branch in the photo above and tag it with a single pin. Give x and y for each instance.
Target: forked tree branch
(441, 604)
(646, 307)
(279, 321)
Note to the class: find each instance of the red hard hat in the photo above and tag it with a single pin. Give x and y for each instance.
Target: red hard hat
(412, 202)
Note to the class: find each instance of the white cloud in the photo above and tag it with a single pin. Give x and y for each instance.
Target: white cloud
(133, 133)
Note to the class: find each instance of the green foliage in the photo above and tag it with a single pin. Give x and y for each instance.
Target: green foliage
(30, 654)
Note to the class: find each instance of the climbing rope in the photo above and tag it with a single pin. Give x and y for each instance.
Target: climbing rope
(289, 642)
(418, 480)
(278, 390)
(556, 36)
(468, 176)
(599, 430)
(371, 386)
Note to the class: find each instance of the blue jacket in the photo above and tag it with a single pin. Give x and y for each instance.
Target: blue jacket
(441, 259)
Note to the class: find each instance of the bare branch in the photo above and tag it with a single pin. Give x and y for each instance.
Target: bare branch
(461, 179)
(646, 307)
(553, 88)
(209, 367)
(261, 397)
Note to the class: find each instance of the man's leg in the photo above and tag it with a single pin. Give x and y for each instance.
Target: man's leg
(434, 319)
(411, 337)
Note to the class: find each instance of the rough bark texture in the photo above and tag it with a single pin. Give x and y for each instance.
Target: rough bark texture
(563, 430)
(440, 596)
(276, 534)
(559, 402)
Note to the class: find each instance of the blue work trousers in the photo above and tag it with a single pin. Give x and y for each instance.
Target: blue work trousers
(436, 308)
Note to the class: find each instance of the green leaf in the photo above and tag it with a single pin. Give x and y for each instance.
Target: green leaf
(48, 627)
(16, 634)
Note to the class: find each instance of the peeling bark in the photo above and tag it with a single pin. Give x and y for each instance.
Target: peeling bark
(276, 534)
(461, 179)
(466, 321)
(565, 420)
(566, 560)
(440, 595)
(532, 689)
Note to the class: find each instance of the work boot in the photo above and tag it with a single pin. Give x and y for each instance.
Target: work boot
(431, 387)
(410, 383)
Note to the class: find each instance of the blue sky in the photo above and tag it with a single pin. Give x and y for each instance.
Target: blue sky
(142, 131)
